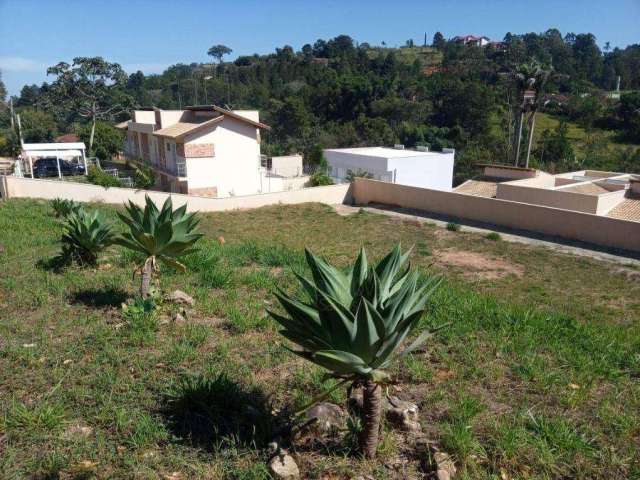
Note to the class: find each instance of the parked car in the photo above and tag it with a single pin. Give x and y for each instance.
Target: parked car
(48, 167)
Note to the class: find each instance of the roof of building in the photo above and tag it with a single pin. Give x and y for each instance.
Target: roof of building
(67, 138)
(383, 152)
(479, 187)
(586, 189)
(122, 125)
(53, 146)
(182, 129)
(628, 209)
(227, 113)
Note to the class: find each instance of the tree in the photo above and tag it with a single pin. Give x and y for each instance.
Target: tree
(160, 235)
(3, 89)
(37, 126)
(92, 87)
(438, 41)
(629, 112)
(219, 51)
(107, 139)
(353, 323)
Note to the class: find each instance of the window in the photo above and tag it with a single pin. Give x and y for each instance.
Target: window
(168, 147)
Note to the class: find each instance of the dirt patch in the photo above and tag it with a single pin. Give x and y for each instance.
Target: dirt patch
(345, 210)
(477, 265)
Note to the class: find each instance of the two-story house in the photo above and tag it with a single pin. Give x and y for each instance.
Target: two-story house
(202, 150)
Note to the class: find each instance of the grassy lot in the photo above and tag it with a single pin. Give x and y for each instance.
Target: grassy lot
(537, 376)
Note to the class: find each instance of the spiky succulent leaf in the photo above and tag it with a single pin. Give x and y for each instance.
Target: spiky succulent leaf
(354, 323)
(164, 233)
(85, 235)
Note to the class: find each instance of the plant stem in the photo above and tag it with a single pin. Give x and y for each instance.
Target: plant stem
(147, 271)
(372, 407)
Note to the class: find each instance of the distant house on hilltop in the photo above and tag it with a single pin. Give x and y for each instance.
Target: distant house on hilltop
(472, 40)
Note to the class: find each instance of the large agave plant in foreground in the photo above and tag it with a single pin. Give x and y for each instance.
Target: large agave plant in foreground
(163, 235)
(85, 235)
(354, 324)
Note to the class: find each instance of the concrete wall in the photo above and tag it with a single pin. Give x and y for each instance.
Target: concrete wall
(15, 187)
(502, 172)
(579, 202)
(433, 170)
(235, 167)
(340, 162)
(430, 170)
(605, 231)
(287, 165)
(607, 201)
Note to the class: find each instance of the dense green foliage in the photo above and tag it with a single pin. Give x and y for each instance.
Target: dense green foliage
(97, 176)
(353, 323)
(86, 234)
(337, 93)
(63, 207)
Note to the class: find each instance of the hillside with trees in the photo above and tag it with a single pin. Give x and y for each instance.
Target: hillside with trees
(338, 93)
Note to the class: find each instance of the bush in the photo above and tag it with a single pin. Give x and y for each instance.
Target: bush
(453, 227)
(144, 178)
(97, 176)
(495, 236)
(319, 179)
(85, 236)
(63, 207)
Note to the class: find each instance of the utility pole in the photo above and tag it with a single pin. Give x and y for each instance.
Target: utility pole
(533, 126)
(425, 39)
(13, 126)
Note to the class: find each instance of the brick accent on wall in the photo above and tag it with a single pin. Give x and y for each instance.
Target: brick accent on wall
(198, 150)
(204, 192)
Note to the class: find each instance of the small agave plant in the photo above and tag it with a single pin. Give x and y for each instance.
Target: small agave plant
(63, 207)
(354, 324)
(163, 235)
(85, 235)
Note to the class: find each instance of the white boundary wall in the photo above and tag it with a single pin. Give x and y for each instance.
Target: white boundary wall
(14, 187)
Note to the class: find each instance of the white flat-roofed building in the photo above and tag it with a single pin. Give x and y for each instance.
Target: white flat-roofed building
(416, 168)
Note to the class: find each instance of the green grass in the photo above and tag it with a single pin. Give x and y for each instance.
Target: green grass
(537, 376)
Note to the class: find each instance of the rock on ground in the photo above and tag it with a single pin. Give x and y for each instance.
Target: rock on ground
(283, 467)
(326, 417)
(178, 296)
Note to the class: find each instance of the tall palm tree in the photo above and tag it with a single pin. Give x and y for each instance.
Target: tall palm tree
(354, 323)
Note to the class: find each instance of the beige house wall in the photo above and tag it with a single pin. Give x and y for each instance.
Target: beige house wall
(550, 198)
(607, 201)
(605, 231)
(15, 187)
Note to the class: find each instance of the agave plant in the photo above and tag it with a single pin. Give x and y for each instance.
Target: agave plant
(85, 235)
(63, 207)
(163, 235)
(354, 324)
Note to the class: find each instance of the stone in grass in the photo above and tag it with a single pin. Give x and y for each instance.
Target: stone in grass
(445, 468)
(178, 296)
(402, 414)
(178, 318)
(77, 431)
(326, 417)
(283, 467)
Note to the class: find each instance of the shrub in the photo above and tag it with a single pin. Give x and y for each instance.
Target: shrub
(144, 177)
(495, 236)
(453, 227)
(163, 235)
(353, 323)
(319, 179)
(97, 176)
(63, 207)
(85, 236)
